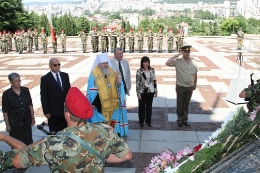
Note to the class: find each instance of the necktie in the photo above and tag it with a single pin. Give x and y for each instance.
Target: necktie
(58, 81)
(121, 71)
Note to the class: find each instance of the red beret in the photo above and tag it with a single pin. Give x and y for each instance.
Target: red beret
(78, 104)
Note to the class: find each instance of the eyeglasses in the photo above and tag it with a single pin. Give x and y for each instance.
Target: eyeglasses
(186, 51)
(55, 65)
(16, 81)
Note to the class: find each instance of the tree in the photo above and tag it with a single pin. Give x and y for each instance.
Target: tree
(82, 24)
(13, 16)
(228, 26)
(122, 23)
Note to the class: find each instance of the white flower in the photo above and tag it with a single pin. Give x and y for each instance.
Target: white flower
(191, 158)
(169, 170)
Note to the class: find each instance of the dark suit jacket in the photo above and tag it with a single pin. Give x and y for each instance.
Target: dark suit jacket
(52, 97)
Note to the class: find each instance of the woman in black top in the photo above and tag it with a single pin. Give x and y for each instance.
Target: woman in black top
(18, 110)
(146, 90)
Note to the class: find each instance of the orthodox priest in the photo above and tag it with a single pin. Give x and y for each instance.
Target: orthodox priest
(107, 95)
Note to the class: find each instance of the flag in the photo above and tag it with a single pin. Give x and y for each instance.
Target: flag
(51, 29)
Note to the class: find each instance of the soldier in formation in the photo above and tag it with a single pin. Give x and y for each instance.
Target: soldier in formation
(35, 38)
(159, 40)
(140, 39)
(63, 39)
(150, 36)
(44, 40)
(5, 39)
(131, 41)
(113, 39)
(54, 41)
(29, 37)
(170, 37)
(9, 42)
(104, 38)
(83, 36)
(122, 37)
(179, 41)
(94, 40)
(19, 42)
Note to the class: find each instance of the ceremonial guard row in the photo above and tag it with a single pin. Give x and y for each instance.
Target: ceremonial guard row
(24, 41)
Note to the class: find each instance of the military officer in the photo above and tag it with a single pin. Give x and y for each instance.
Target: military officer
(150, 36)
(81, 147)
(35, 38)
(122, 37)
(63, 39)
(140, 37)
(44, 40)
(83, 37)
(159, 40)
(240, 38)
(170, 36)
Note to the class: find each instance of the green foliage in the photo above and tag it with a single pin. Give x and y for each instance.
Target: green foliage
(203, 159)
(145, 12)
(82, 24)
(237, 132)
(204, 15)
(13, 16)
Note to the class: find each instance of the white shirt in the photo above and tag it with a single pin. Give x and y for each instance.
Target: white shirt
(55, 77)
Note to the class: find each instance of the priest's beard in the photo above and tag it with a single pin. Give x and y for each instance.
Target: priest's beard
(105, 71)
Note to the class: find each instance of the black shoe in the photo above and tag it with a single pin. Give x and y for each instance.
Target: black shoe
(141, 125)
(186, 124)
(149, 125)
(179, 124)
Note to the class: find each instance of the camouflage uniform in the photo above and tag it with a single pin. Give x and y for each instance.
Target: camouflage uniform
(122, 36)
(159, 41)
(63, 39)
(113, 40)
(5, 39)
(179, 41)
(131, 41)
(6, 159)
(140, 37)
(240, 38)
(9, 42)
(35, 38)
(54, 43)
(1, 41)
(44, 40)
(253, 93)
(19, 42)
(94, 41)
(29, 37)
(104, 38)
(24, 40)
(150, 41)
(170, 36)
(64, 154)
(83, 37)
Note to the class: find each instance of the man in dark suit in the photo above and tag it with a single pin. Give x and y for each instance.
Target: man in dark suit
(54, 88)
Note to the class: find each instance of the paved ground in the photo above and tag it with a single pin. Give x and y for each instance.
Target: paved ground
(217, 65)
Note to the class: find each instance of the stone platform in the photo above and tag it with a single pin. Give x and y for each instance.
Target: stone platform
(217, 65)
